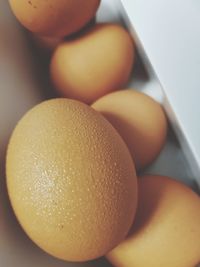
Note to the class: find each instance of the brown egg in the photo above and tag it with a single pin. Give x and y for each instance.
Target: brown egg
(93, 65)
(166, 232)
(139, 120)
(54, 18)
(71, 180)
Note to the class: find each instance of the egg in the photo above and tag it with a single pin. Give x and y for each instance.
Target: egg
(54, 18)
(98, 62)
(71, 180)
(139, 119)
(166, 231)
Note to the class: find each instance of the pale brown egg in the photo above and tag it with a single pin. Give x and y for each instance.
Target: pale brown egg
(140, 121)
(71, 180)
(98, 62)
(54, 18)
(166, 231)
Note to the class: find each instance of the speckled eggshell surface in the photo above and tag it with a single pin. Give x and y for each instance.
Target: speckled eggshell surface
(71, 180)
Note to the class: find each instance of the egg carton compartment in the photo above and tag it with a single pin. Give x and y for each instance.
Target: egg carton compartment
(22, 84)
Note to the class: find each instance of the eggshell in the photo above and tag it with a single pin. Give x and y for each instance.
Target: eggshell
(54, 18)
(140, 121)
(166, 231)
(71, 180)
(98, 62)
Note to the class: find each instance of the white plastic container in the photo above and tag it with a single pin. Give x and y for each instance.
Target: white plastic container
(21, 87)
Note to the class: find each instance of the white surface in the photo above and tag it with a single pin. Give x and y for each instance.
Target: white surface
(169, 33)
(20, 89)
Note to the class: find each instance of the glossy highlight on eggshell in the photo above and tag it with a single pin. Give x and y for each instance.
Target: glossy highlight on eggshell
(71, 180)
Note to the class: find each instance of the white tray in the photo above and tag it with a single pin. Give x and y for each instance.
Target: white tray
(21, 87)
(168, 35)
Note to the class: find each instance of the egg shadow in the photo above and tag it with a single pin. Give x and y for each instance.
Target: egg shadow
(41, 62)
(139, 72)
(146, 210)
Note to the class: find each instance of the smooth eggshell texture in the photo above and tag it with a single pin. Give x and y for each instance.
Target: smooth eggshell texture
(98, 62)
(166, 230)
(139, 120)
(54, 18)
(71, 180)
